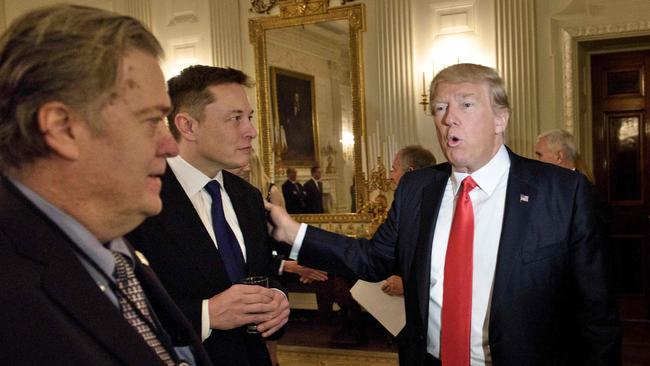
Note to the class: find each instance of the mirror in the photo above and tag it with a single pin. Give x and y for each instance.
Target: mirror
(310, 100)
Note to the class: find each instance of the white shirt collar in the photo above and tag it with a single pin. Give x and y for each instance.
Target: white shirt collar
(191, 179)
(488, 176)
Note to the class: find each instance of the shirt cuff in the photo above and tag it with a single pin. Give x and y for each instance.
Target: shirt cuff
(205, 321)
(281, 268)
(297, 242)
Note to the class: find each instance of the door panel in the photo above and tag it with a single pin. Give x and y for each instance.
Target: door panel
(621, 135)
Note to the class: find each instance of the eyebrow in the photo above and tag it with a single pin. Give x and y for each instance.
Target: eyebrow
(240, 111)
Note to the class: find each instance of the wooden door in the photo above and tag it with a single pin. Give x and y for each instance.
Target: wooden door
(621, 138)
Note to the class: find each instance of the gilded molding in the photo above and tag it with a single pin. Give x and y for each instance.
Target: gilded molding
(354, 14)
(296, 8)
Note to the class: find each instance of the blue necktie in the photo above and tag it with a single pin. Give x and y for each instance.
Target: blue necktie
(228, 246)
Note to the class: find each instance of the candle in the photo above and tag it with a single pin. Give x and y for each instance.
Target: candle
(424, 84)
(364, 153)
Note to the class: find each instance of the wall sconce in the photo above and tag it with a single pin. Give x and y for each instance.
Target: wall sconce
(347, 143)
(424, 101)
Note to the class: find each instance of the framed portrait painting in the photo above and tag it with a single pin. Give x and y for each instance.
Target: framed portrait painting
(295, 129)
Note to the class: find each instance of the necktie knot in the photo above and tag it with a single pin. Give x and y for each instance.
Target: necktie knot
(214, 189)
(467, 185)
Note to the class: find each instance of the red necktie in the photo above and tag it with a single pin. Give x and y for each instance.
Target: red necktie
(456, 320)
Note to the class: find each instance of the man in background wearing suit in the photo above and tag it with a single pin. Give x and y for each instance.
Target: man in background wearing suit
(294, 193)
(314, 192)
(212, 231)
(502, 257)
(558, 147)
(407, 159)
(82, 147)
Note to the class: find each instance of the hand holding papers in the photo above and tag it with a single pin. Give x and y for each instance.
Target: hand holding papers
(388, 310)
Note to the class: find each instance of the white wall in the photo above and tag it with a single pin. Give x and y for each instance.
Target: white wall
(441, 32)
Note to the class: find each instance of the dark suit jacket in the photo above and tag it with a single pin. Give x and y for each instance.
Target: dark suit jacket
(294, 197)
(51, 310)
(314, 197)
(183, 255)
(550, 301)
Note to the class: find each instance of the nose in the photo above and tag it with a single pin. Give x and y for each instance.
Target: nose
(250, 130)
(449, 119)
(167, 146)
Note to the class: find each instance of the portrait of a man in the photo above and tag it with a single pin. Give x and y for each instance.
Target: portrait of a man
(295, 122)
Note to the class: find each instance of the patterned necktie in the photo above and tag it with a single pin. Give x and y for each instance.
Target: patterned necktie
(229, 248)
(456, 320)
(131, 294)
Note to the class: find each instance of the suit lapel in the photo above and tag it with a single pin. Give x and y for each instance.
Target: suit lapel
(520, 200)
(429, 208)
(188, 231)
(67, 282)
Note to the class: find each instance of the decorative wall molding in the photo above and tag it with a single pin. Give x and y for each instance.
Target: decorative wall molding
(183, 17)
(516, 61)
(397, 96)
(455, 18)
(139, 9)
(184, 50)
(570, 37)
(226, 34)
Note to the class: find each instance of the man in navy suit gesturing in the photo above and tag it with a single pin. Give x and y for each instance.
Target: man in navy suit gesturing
(502, 257)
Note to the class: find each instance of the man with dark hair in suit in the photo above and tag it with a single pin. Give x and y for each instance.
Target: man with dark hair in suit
(83, 95)
(503, 257)
(294, 193)
(212, 230)
(314, 192)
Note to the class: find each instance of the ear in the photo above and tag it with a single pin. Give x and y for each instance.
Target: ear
(559, 156)
(410, 169)
(501, 118)
(186, 125)
(58, 124)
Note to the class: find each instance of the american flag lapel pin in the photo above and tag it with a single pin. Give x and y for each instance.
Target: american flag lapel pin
(523, 198)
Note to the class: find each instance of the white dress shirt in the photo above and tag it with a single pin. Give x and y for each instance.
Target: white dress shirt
(193, 182)
(488, 201)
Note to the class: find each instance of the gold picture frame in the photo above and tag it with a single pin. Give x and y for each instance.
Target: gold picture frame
(295, 119)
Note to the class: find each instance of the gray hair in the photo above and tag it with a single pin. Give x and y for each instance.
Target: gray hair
(560, 140)
(66, 53)
(416, 157)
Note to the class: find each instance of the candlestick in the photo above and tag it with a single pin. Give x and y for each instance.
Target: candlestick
(424, 84)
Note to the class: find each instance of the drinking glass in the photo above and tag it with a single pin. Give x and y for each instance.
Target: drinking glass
(259, 281)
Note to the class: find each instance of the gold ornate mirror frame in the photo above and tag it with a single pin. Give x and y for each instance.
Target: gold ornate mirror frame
(299, 13)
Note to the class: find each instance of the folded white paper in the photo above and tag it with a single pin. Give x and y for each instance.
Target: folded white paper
(388, 310)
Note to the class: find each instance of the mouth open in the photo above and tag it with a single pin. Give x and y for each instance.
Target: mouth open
(453, 141)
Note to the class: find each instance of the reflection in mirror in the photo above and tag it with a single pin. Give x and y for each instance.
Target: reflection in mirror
(311, 103)
(309, 72)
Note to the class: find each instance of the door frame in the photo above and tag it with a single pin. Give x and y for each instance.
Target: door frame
(577, 43)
